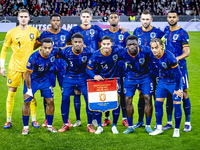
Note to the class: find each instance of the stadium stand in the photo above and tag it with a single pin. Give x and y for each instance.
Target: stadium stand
(99, 7)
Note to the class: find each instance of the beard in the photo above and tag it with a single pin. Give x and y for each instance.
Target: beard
(146, 27)
(172, 24)
(113, 25)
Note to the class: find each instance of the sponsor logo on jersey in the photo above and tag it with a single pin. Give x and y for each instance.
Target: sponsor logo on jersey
(31, 36)
(164, 64)
(175, 37)
(121, 37)
(115, 57)
(153, 35)
(102, 97)
(40, 68)
(62, 38)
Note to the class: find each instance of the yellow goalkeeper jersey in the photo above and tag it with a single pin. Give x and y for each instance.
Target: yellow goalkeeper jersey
(22, 44)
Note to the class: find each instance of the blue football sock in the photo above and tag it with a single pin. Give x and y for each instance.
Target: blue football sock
(25, 120)
(45, 105)
(169, 107)
(49, 119)
(130, 121)
(148, 120)
(89, 113)
(124, 112)
(116, 113)
(141, 105)
(65, 108)
(187, 109)
(177, 115)
(98, 116)
(77, 106)
(159, 112)
(93, 116)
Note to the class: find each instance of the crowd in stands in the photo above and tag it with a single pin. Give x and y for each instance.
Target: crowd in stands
(98, 7)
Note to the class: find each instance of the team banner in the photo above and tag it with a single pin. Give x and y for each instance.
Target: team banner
(102, 95)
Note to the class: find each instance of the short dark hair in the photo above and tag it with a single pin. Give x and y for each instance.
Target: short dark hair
(131, 37)
(116, 13)
(172, 11)
(146, 12)
(106, 38)
(156, 40)
(46, 40)
(55, 15)
(86, 11)
(77, 35)
(23, 11)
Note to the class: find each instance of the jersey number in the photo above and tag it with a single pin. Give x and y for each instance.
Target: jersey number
(19, 44)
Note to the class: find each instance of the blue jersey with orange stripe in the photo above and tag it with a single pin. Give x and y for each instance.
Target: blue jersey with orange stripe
(137, 66)
(175, 41)
(105, 65)
(76, 63)
(166, 63)
(91, 35)
(40, 65)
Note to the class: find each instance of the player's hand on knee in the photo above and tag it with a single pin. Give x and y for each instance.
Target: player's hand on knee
(3, 71)
(28, 94)
(178, 93)
(98, 78)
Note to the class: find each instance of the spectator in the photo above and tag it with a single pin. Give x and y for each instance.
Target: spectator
(188, 11)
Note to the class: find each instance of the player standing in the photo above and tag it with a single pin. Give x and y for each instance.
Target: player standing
(37, 78)
(137, 76)
(21, 39)
(170, 80)
(144, 34)
(119, 39)
(60, 38)
(176, 40)
(76, 57)
(104, 64)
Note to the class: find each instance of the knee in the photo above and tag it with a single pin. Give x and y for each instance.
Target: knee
(27, 105)
(50, 102)
(128, 101)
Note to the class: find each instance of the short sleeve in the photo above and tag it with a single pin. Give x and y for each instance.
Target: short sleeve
(172, 60)
(185, 39)
(91, 62)
(40, 38)
(31, 62)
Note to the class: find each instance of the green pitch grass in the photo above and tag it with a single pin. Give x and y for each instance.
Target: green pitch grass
(79, 138)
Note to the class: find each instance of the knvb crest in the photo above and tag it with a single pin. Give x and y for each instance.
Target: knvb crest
(102, 97)
(52, 58)
(115, 57)
(153, 35)
(141, 60)
(31, 36)
(175, 37)
(84, 58)
(62, 38)
(121, 37)
(164, 65)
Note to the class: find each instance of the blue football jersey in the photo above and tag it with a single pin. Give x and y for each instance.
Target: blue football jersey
(59, 40)
(166, 63)
(106, 66)
(91, 35)
(175, 41)
(76, 63)
(118, 38)
(40, 65)
(144, 38)
(137, 66)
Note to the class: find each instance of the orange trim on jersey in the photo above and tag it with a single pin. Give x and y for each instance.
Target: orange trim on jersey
(85, 28)
(76, 53)
(113, 31)
(175, 29)
(175, 66)
(29, 70)
(186, 45)
(55, 32)
(38, 42)
(147, 30)
(161, 55)
(89, 68)
(132, 55)
(104, 54)
(42, 55)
